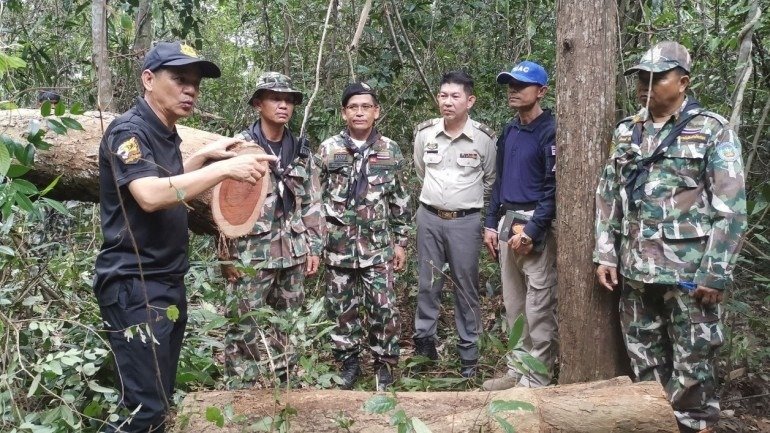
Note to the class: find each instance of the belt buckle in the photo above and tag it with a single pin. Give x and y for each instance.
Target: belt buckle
(446, 214)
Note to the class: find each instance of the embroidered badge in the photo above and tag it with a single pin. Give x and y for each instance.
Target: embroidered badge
(129, 151)
(383, 155)
(431, 146)
(188, 50)
(471, 155)
(727, 152)
(341, 157)
(553, 150)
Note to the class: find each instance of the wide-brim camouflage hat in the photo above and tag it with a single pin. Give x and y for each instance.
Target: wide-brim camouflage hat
(275, 82)
(663, 57)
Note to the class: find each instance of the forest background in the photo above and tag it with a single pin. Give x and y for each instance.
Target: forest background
(55, 374)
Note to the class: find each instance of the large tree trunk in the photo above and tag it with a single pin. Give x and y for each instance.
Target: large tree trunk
(586, 45)
(610, 406)
(75, 157)
(101, 55)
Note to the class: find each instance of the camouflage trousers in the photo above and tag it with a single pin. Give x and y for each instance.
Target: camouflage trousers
(281, 289)
(370, 289)
(674, 340)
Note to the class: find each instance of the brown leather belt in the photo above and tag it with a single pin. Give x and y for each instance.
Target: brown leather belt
(449, 214)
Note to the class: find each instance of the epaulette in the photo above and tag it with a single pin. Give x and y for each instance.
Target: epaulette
(425, 124)
(484, 128)
(722, 121)
(628, 119)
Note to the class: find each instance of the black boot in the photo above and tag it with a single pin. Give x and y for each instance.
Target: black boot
(384, 375)
(350, 371)
(468, 368)
(426, 347)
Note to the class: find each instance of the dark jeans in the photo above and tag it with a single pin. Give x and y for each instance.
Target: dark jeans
(146, 345)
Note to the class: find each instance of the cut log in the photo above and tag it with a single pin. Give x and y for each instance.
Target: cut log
(614, 405)
(75, 157)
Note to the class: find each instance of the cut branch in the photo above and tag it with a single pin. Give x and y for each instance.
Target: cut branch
(608, 406)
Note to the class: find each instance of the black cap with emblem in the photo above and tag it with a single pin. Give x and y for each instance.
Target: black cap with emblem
(166, 54)
(359, 88)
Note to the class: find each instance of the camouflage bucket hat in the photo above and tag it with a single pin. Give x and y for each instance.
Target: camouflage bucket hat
(662, 57)
(277, 83)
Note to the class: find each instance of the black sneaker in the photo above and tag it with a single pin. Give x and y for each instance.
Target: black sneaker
(468, 368)
(384, 376)
(426, 347)
(350, 371)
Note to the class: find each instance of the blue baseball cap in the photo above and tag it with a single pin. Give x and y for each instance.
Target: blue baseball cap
(525, 72)
(166, 54)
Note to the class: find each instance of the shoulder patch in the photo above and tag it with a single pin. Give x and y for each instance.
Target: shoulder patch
(727, 152)
(484, 128)
(426, 124)
(129, 151)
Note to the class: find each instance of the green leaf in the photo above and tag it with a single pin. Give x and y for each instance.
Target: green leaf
(17, 170)
(8, 251)
(172, 312)
(5, 160)
(379, 404)
(51, 186)
(71, 123)
(25, 187)
(214, 414)
(33, 386)
(514, 335)
(100, 389)
(24, 202)
(497, 406)
(419, 426)
(59, 109)
(533, 364)
(8, 105)
(77, 108)
(56, 205)
(45, 109)
(56, 126)
(505, 425)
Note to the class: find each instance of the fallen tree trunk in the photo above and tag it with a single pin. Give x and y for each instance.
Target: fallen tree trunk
(75, 157)
(614, 405)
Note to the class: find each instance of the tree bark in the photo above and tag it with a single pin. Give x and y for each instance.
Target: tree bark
(586, 70)
(142, 40)
(75, 158)
(101, 55)
(610, 406)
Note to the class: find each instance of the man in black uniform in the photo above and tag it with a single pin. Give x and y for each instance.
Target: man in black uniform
(140, 269)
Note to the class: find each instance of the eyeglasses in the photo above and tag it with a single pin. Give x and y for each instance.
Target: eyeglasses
(363, 107)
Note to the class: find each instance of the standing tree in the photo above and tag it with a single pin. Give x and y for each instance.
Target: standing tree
(101, 55)
(586, 68)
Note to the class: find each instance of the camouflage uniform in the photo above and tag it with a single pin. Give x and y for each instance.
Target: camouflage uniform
(361, 234)
(684, 228)
(277, 248)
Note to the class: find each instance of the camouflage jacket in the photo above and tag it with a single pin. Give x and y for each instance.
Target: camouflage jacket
(362, 233)
(688, 224)
(283, 241)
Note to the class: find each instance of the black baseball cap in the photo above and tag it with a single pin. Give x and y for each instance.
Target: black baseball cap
(178, 54)
(359, 88)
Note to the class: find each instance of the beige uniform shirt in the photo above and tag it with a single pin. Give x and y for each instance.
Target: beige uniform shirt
(455, 174)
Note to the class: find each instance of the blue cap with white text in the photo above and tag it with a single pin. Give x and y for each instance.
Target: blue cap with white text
(525, 72)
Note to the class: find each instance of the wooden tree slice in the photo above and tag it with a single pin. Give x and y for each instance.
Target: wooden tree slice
(235, 205)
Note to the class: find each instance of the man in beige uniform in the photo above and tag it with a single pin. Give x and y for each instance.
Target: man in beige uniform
(455, 160)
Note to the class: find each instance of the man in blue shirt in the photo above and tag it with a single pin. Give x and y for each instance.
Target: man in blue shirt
(521, 209)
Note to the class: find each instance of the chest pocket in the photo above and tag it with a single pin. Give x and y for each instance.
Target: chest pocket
(296, 179)
(625, 158)
(682, 166)
(469, 160)
(432, 157)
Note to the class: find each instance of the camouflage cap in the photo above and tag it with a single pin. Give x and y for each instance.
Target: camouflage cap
(663, 57)
(275, 82)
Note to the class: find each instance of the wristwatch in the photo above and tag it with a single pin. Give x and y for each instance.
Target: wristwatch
(525, 240)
